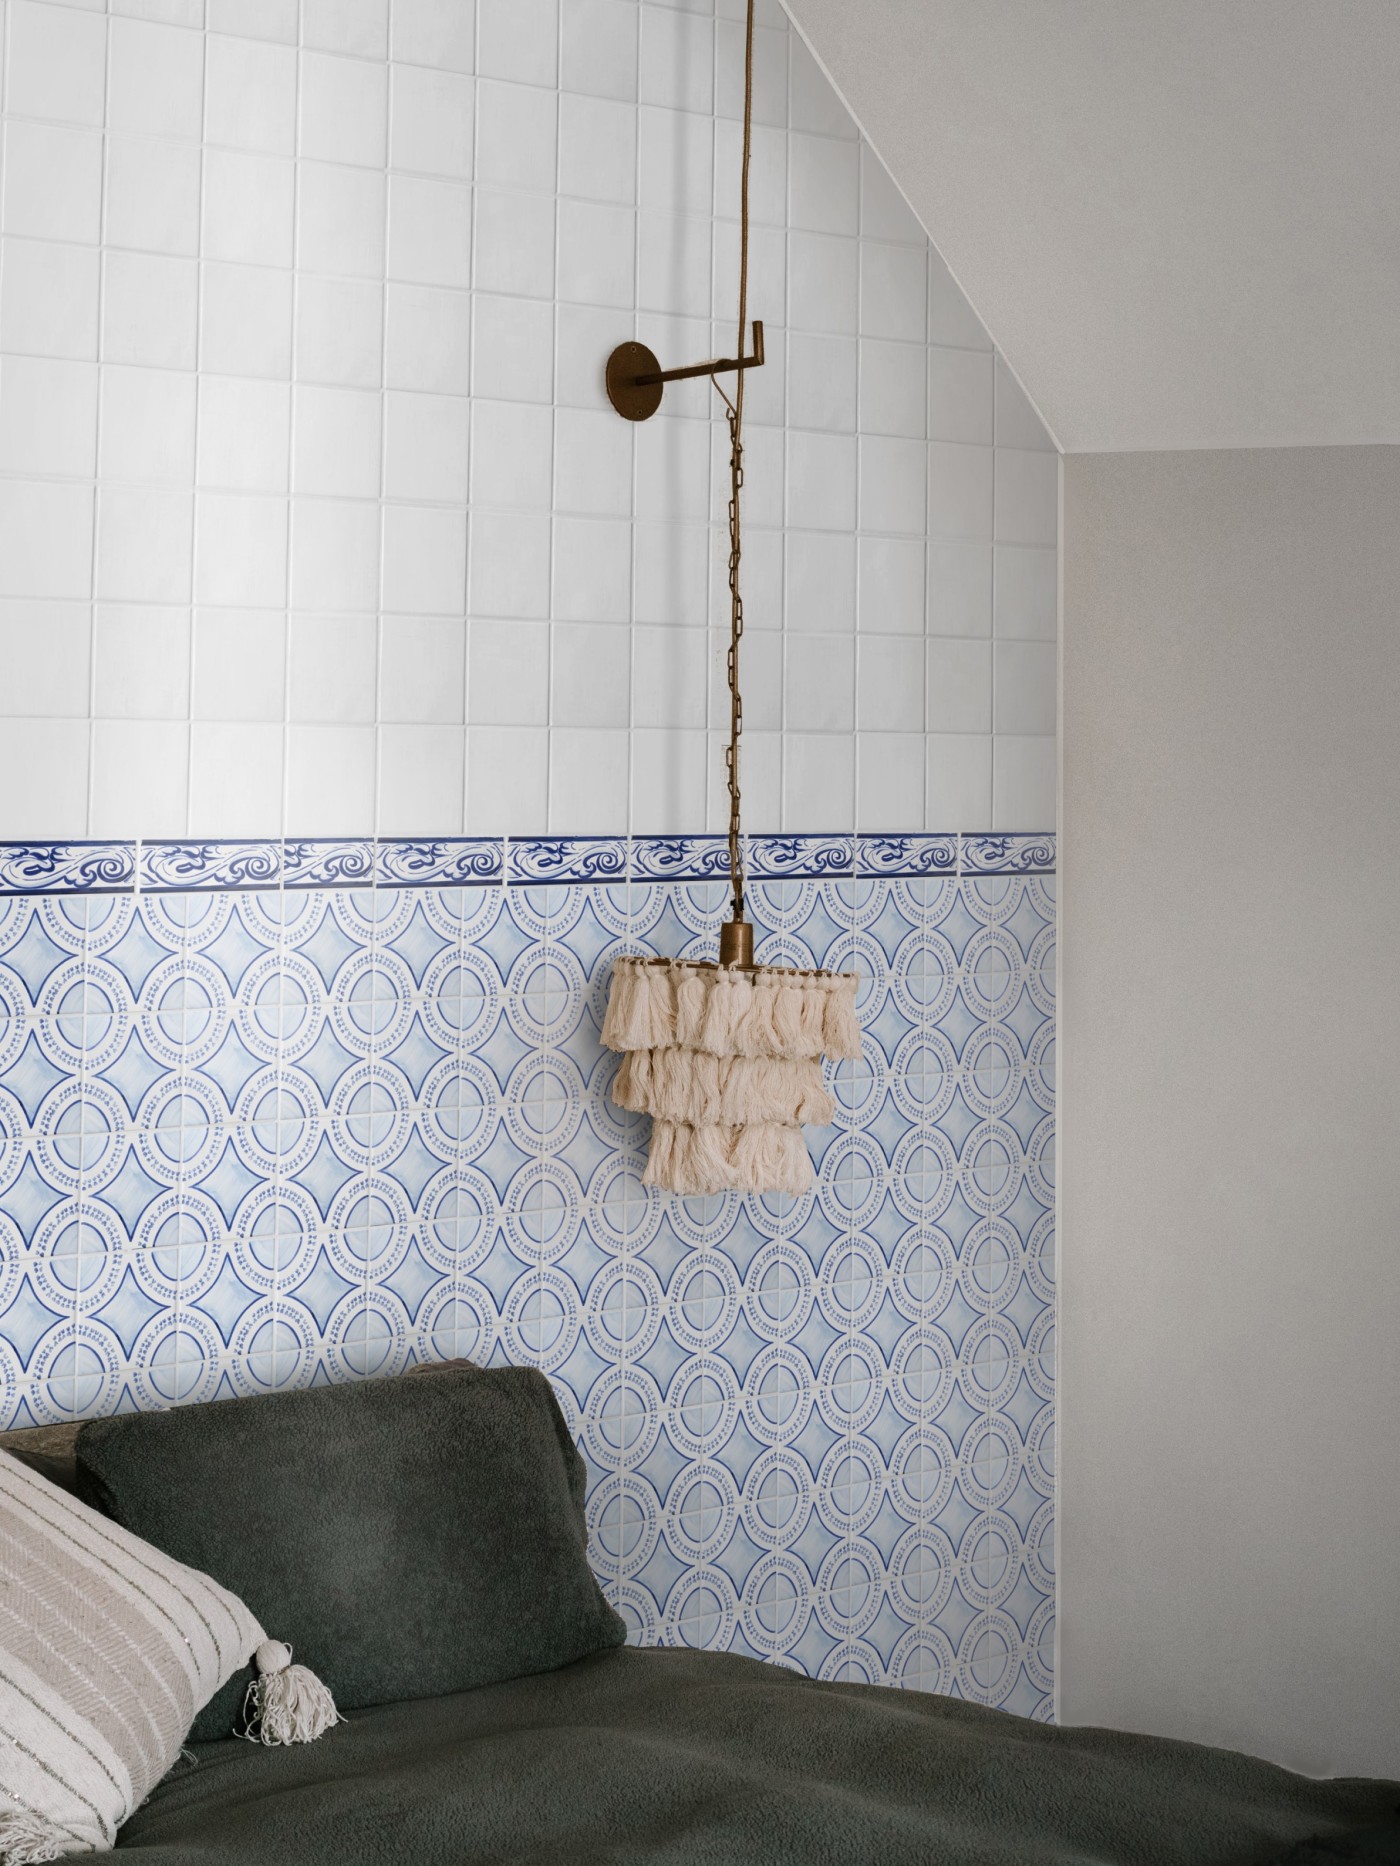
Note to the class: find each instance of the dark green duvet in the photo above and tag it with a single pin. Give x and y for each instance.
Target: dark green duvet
(686, 1758)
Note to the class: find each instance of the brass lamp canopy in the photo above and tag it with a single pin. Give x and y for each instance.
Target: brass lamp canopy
(736, 943)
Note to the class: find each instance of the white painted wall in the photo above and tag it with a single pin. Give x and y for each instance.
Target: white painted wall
(313, 516)
(1230, 1227)
(1181, 219)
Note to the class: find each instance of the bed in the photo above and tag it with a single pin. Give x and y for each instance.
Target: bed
(670, 1755)
(705, 1759)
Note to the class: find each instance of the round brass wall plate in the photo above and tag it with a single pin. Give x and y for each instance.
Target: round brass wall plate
(633, 400)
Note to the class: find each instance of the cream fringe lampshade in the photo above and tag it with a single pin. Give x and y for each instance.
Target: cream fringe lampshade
(726, 1059)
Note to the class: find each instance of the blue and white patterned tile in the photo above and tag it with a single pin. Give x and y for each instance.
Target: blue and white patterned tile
(188, 921)
(76, 1373)
(1042, 894)
(680, 858)
(67, 867)
(253, 1139)
(564, 860)
(925, 901)
(854, 902)
(1008, 855)
(179, 867)
(782, 905)
(68, 921)
(332, 863)
(907, 856)
(274, 917)
(463, 861)
(814, 857)
(997, 900)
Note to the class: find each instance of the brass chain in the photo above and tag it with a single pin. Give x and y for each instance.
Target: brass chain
(736, 481)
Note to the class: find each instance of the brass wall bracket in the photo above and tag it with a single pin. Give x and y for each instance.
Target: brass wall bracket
(635, 378)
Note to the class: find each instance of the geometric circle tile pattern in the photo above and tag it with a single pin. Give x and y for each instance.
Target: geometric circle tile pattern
(254, 1141)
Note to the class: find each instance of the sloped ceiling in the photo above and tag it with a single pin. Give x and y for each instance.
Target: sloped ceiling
(1179, 219)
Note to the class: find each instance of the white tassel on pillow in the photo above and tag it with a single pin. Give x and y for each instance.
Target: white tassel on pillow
(725, 1059)
(27, 1839)
(286, 1703)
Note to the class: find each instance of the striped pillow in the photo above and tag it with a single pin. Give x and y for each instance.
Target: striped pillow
(107, 1650)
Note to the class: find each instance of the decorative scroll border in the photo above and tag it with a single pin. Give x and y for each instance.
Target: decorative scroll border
(1008, 855)
(195, 866)
(680, 858)
(67, 867)
(907, 855)
(189, 867)
(560, 861)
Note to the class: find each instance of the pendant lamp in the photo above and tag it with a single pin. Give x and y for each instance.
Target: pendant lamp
(725, 1057)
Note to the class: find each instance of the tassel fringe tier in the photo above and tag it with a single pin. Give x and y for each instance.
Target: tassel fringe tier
(727, 1063)
(769, 1011)
(722, 1091)
(766, 1157)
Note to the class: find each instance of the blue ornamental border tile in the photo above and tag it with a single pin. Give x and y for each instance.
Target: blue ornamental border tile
(906, 855)
(188, 867)
(1009, 855)
(347, 863)
(453, 862)
(193, 865)
(545, 861)
(805, 858)
(680, 858)
(67, 867)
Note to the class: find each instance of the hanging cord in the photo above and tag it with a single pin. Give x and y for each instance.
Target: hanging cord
(736, 480)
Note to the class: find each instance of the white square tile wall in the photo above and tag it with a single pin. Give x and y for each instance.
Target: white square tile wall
(313, 515)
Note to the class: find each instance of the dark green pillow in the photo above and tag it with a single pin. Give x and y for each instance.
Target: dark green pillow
(407, 1537)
